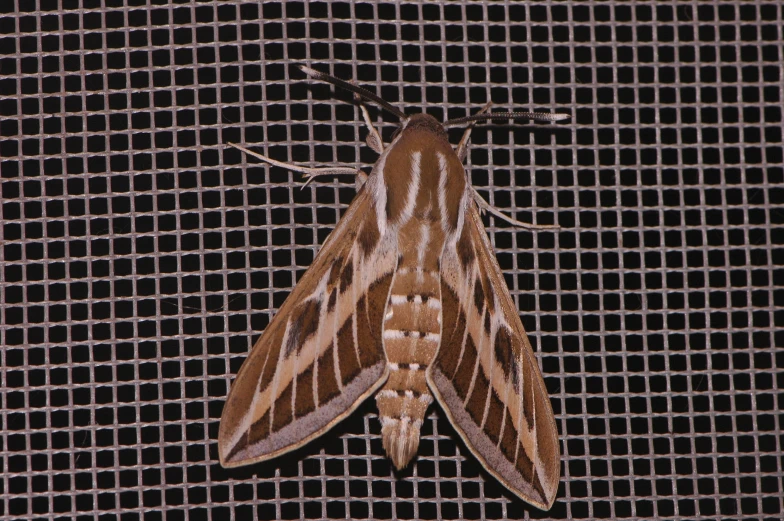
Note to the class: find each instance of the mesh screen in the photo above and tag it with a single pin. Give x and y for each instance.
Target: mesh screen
(141, 257)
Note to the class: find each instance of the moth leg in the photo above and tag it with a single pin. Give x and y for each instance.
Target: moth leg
(462, 150)
(374, 138)
(484, 206)
(309, 173)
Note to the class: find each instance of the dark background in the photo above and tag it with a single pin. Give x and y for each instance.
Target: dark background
(141, 257)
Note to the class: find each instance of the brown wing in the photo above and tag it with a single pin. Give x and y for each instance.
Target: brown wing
(322, 354)
(485, 374)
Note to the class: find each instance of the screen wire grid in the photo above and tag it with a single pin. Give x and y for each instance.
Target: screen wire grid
(140, 256)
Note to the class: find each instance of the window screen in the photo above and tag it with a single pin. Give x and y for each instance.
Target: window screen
(141, 255)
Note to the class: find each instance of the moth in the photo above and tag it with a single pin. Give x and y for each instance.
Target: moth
(404, 301)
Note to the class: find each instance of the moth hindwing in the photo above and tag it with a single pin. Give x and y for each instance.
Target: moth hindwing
(406, 301)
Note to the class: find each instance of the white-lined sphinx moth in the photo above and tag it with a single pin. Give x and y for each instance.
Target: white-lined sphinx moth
(405, 300)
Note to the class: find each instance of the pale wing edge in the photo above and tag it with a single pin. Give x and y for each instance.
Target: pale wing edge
(278, 449)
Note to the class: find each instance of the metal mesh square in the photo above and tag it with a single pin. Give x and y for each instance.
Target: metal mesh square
(141, 257)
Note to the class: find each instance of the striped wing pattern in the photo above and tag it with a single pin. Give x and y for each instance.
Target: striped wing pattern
(485, 375)
(406, 292)
(322, 354)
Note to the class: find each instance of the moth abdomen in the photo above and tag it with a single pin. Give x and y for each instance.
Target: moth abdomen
(402, 404)
(412, 334)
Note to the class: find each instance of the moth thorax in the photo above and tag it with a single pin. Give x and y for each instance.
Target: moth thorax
(401, 439)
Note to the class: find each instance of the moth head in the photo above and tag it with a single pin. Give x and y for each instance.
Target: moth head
(424, 122)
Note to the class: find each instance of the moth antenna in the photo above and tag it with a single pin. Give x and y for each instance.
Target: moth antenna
(534, 116)
(356, 89)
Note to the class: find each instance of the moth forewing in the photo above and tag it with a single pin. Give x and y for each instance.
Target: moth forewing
(404, 300)
(289, 390)
(485, 375)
